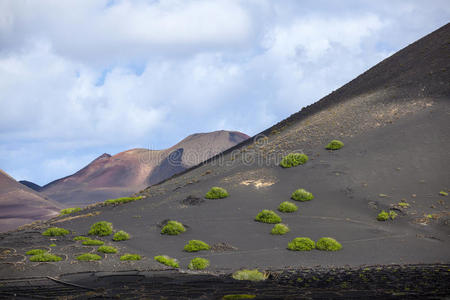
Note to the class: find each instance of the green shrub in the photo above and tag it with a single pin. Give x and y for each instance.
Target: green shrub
(443, 193)
(302, 195)
(102, 228)
(268, 216)
(328, 244)
(45, 257)
(88, 257)
(52, 245)
(36, 252)
(216, 193)
(238, 296)
(121, 236)
(293, 159)
(196, 245)
(287, 207)
(81, 238)
(403, 204)
(55, 231)
(335, 145)
(92, 242)
(71, 210)
(198, 263)
(107, 249)
(384, 216)
(252, 275)
(166, 260)
(280, 229)
(301, 244)
(122, 200)
(130, 257)
(173, 228)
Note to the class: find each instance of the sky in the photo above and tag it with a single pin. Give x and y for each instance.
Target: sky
(81, 78)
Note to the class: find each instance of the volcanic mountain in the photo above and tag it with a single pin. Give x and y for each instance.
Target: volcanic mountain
(21, 205)
(394, 122)
(130, 171)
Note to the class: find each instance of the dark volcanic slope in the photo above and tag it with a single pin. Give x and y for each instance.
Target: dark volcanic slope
(31, 185)
(130, 171)
(20, 205)
(394, 121)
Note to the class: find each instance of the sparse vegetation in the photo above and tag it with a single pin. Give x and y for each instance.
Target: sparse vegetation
(55, 231)
(443, 193)
(384, 216)
(251, 275)
(71, 210)
(45, 257)
(173, 228)
(196, 245)
(216, 193)
(268, 216)
(90, 242)
(335, 145)
(301, 244)
(36, 252)
(287, 207)
(81, 238)
(198, 263)
(122, 200)
(302, 195)
(121, 236)
(130, 257)
(238, 296)
(101, 228)
(88, 257)
(403, 204)
(52, 245)
(166, 260)
(107, 249)
(328, 244)
(280, 229)
(293, 159)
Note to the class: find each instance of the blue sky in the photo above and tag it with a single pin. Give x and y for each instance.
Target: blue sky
(81, 78)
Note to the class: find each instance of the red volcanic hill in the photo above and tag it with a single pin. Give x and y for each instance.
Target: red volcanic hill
(127, 172)
(20, 205)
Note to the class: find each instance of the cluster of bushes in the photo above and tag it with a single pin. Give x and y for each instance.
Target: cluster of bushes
(41, 255)
(122, 200)
(71, 210)
(384, 216)
(307, 244)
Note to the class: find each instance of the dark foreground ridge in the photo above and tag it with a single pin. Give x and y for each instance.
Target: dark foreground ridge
(380, 282)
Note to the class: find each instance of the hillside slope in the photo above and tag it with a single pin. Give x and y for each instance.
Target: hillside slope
(20, 205)
(393, 120)
(130, 171)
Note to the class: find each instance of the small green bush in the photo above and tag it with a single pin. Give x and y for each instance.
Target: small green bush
(88, 257)
(55, 231)
(71, 210)
(36, 252)
(173, 228)
(287, 207)
(335, 145)
(293, 159)
(251, 275)
(121, 236)
(101, 228)
(107, 249)
(122, 200)
(301, 244)
(328, 244)
(302, 195)
(81, 238)
(196, 245)
(198, 263)
(280, 229)
(403, 204)
(238, 296)
(443, 193)
(384, 216)
(52, 245)
(166, 260)
(130, 257)
(216, 193)
(45, 257)
(93, 242)
(268, 216)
